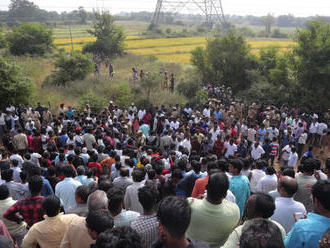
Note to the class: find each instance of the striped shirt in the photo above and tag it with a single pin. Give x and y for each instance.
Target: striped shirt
(275, 147)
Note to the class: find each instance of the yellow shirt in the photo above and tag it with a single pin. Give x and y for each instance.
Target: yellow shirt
(77, 235)
(49, 232)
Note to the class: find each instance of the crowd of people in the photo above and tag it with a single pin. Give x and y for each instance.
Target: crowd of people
(224, 175)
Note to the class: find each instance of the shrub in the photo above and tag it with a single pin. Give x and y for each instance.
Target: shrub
(30, 38)
(70, 68)
(96, 103)
(15, 87)
(120, 93)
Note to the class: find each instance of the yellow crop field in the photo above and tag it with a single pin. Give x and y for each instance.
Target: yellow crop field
(164, 50)
(164, 42)
(170, 49)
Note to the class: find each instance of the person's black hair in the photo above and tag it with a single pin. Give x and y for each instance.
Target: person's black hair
(116, 198)
(119, 237)
(327, 163)
(289, 188)
(124, 172)
(217, 187)
(148, 197)
(52, 205)
(99, 220)
(246, 163)
(261, 233)
(4, 192)
(35, 184)
(105, 185)
(317, 164)
(309, 166)
(174, 214)
(7, 175)
(260, 164)
(321, 191)
(196, 166)
(138, 174)
(151, 174)
(264, 204)
(35, 171)
(14, 162)
(237, 164)
(81, 170)
(67, 171)
(83, 192)
(177, 173)
(212, 165)
(270, 170)
(289, 172)
(23, 175)
(51, 171)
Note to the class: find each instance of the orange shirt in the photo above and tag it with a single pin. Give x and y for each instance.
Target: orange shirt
(200, 186)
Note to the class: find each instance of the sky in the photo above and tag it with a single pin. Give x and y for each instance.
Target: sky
(233, 7)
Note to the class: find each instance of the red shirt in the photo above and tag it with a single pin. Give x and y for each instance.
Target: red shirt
(29, 208)
(98, 166)
(200, 186)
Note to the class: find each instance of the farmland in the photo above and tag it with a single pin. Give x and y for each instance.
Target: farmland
(169, 49)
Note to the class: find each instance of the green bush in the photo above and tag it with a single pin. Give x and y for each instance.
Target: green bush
(96, 103)
(30, 38)
(2, 40)
(15, 87)
(120, 93)
(70, 68)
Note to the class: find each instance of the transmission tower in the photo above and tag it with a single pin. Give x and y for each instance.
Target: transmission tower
(211, 9)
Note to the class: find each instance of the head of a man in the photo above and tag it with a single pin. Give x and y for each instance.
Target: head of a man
(148, 196)
(97, 200)
(51, 205)
(261, 233)
(81, 194)
(4, 192)
(174, 215)
(97, 221)
(259, 205)
(124, 237)
(320, 193)
(116, 198)
(217, 188)
(235, 166)
(287, 186)
(35, 185)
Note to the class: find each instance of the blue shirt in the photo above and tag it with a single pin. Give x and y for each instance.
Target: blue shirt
(218, 115)
(46, 188)
(145, 129)
(240, 187)
(262, 133)
(307, 232)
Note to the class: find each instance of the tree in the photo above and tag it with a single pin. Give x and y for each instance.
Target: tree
(268, 21)
(82, 13)
(2, 40)
(311, 65)
(109, 38)
(151, 81)
(30, 38)
(25, 11)
(225, 61)
(15, 87)
(70, 68)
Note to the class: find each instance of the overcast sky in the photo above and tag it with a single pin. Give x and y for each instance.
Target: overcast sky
(232, 7)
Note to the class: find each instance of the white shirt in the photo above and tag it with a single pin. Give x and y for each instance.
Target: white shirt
(230, 150)
(207, 113)
(302, 139)
(313, 127)
(322, 126)
(293, 159)
(267, 183)
(257, 152)
(285, 208)
(65, 190)
(286, 152)
(272, 133)
(131, 200)
(141, 113)
(251, 134)
(256, 176)
(18, 158)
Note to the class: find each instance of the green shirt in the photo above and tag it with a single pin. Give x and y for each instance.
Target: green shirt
(234, 237)
(212, 223)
